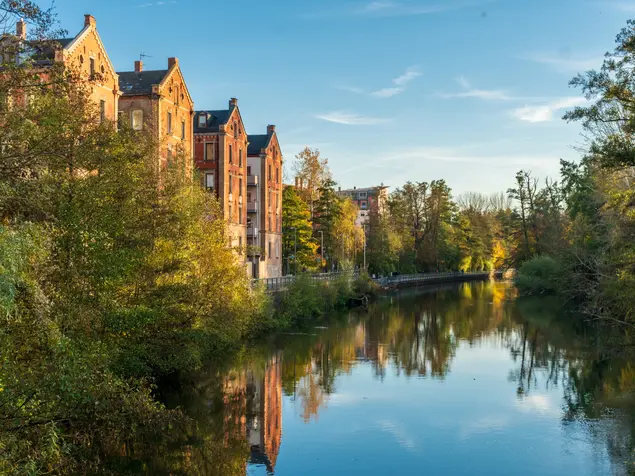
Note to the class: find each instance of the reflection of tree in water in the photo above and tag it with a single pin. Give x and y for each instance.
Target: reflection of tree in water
(413, 334)
(551, 354)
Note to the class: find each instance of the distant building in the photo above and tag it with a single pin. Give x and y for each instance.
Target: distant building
(264, 204)
(220, 153)
(368, 200)
(158, 102)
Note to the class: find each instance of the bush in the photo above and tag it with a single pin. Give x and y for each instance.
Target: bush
(539, 275)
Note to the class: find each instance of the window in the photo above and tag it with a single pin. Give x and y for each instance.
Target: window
(269, 173)
(169, 123)
(277, 198)
(277, 249)
(235, 131)
(277, 175)
(183, 130)
(240, 186)
(230, 213)
(92, 67)
(270, 249)
(249, 170)
(209, 182)
(102, 110)
(202, 120)
(230, 183)
(209, 151)
(231, 158)
(120, 119)
(240, 214)
(137, 120)
(249, 196)
(240, 241)
(240, 157)
(364, 205)
(363, 194)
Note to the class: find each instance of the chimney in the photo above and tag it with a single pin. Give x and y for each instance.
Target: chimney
(138, 66)
(20, 29)
(233, 102)
(271, 129)
(172, 62)
(89, 20)
(354, 188)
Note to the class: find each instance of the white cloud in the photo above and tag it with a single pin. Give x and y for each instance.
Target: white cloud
(388, 8)
(546, 112)
(351, 119)
(351, 89)
(157, 4)
(410, 74)
(399, 82)
(565, 63)
(627, 7)
(378, 5)
(470, 92)
(387, 92)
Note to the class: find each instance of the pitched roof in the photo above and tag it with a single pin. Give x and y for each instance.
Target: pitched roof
(257, 143)
(133, 83)
(214, 120)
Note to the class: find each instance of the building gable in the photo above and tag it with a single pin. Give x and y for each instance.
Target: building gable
(89, 36)
(174, 78)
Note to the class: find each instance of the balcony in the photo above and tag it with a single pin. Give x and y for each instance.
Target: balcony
(252, 232)
(252, 180)
(252, 207)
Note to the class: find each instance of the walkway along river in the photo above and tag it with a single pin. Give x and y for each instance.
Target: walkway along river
(457, 379)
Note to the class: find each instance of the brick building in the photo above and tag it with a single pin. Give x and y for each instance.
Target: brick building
(368, 200)
(264, 204)
(159, 102)
(84, 53)
(220, 153)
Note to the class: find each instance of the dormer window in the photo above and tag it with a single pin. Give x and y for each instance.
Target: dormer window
(202, 120)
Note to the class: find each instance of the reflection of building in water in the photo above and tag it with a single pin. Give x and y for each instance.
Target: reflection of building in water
(264, 414)
(369, 349)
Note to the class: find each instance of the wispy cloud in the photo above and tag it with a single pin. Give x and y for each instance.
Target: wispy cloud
(565, 63)
(351, 119)
(351, 89)
(389, 8)
(486, 94)
(627, 7)
(157, 4)
(399, 432)
(399, 84)
(546, 112)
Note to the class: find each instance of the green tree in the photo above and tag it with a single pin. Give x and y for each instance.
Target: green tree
(297, 233)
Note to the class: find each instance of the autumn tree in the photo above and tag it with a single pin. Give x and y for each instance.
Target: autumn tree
(297, 233)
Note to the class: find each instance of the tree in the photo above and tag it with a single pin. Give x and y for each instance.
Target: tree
(327, 214)
(296, 223)
(312, 172)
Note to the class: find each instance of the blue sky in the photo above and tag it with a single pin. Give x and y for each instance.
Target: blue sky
(387, 90)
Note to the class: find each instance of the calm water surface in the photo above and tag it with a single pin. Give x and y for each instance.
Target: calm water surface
(458, 380)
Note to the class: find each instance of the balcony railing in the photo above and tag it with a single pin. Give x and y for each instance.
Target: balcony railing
(252, 180)
(252, 207)
(252, 231)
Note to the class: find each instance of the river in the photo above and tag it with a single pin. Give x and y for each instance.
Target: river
(452, 380)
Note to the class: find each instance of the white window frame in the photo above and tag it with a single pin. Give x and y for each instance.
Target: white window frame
(209, 176)
(137, 125)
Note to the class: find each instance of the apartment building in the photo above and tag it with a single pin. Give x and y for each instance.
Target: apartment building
(158, 101)
(368, 200)
(84, 53)
(264, 204)
(220, 154)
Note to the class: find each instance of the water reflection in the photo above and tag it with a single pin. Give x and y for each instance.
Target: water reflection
(500, 371)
